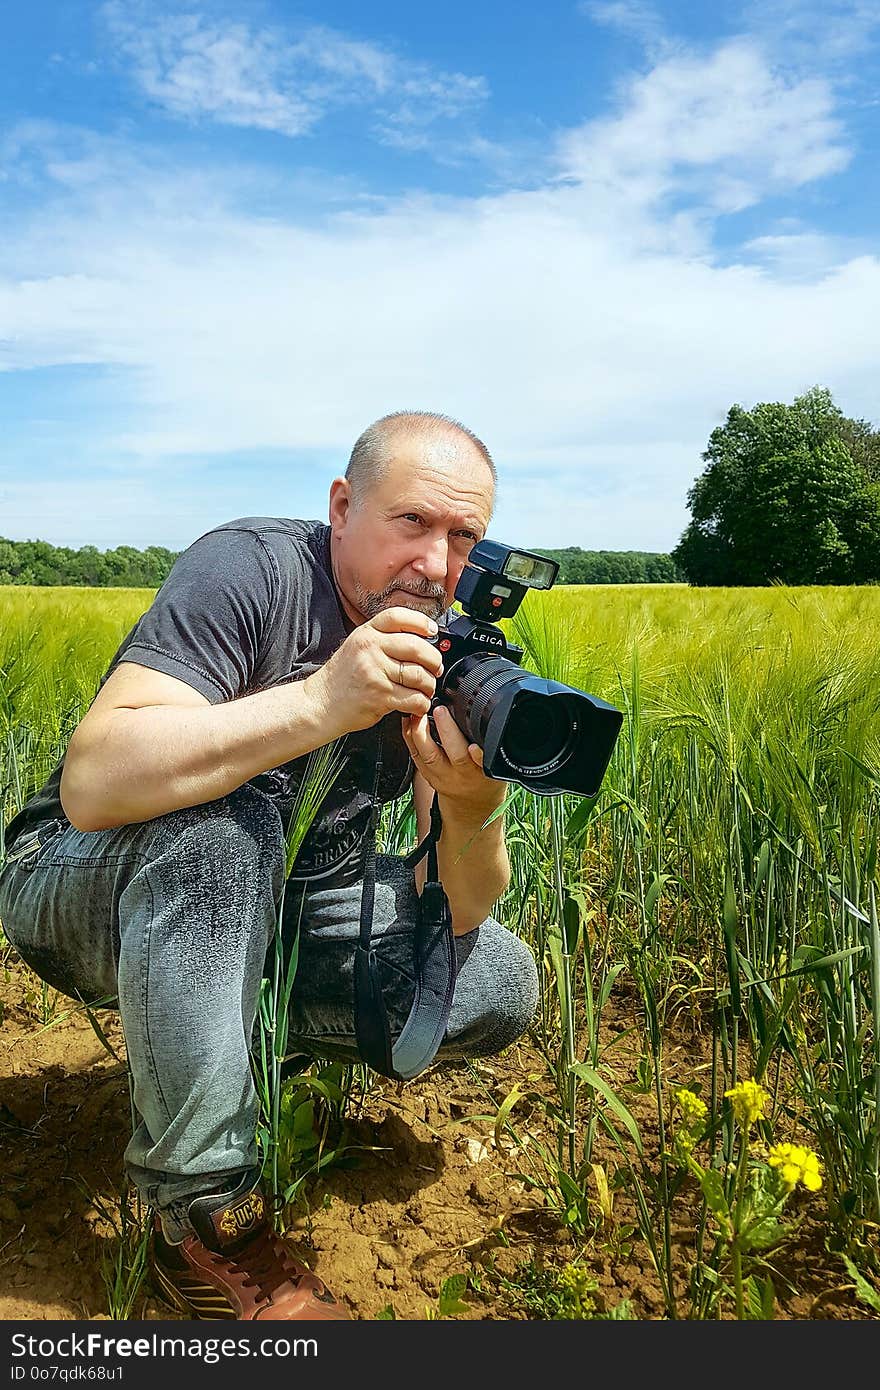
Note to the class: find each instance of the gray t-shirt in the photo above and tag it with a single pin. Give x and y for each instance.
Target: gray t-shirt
(250, 605)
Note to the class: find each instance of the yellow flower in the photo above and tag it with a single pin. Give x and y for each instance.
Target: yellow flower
(576, 1287)
(796, 1164)
(693, 1110)
(748, 1100)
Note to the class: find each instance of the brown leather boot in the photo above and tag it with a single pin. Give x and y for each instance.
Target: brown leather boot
(235, 1266)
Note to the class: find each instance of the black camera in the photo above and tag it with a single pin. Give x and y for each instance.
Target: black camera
(546, 736)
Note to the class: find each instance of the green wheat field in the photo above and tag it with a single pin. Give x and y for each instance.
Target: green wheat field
(724, 884)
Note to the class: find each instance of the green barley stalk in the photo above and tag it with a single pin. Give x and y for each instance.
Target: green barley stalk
(875, 1006)
(562, 959)
(322, 768)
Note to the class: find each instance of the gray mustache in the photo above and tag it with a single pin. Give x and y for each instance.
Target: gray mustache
(430, 592)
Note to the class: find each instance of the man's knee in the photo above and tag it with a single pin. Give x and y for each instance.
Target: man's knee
(496, 994)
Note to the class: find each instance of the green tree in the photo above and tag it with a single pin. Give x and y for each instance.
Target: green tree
(863, 443)
(787, 495)
(8, 561)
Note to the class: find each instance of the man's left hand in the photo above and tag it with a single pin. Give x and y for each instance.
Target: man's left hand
(454, 768)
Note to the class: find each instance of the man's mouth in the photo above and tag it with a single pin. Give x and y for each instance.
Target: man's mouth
(430, 602)
(425, 598)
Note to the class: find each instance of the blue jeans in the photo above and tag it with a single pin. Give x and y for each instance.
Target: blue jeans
(172, 919)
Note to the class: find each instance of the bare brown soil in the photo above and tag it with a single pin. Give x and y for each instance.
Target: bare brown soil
(428, 1194)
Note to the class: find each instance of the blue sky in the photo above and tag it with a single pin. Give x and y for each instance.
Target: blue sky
(232, 235)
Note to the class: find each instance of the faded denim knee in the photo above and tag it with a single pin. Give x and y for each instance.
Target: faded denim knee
(496, 993)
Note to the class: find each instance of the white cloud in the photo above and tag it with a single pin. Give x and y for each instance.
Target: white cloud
(275, 79)
(809, 35)
(635, 18)
(799, 255)
(815, 33)
(723, 129)
(556, 344)
(139, 511)
(584, 329)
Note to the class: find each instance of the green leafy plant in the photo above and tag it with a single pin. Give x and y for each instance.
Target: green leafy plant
(309, 1137)
(559, 1295)
(124, 1259)
(450, 1302)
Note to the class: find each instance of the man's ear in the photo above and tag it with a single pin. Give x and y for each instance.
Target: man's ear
(340, 504)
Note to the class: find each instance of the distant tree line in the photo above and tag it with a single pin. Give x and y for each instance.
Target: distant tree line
(38, 562)
(578, 566)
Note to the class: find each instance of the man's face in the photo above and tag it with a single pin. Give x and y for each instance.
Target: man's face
(405, 544)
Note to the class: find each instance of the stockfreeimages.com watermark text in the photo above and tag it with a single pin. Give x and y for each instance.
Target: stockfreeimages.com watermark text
(97, 1346)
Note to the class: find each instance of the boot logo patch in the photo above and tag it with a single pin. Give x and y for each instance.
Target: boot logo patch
(234, 1221)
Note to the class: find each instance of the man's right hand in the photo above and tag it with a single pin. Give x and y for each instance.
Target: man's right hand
(385, 664)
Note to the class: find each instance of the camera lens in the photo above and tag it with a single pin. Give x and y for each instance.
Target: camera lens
(538, 733)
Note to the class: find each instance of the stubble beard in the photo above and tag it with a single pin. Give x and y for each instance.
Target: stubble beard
(426, 598)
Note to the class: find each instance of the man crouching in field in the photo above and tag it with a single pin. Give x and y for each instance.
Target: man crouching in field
(150, 866)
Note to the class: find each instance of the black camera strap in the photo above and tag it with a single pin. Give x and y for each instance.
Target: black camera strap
(435, 963)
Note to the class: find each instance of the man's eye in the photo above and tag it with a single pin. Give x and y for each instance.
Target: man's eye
(412, 516)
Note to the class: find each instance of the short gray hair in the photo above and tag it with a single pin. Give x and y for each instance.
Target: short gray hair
(369, 457)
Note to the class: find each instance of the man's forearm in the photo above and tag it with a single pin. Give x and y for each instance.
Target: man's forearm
(141, 763)
(473, 865)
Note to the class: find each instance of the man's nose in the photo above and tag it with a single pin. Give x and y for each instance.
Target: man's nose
(434, 559)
